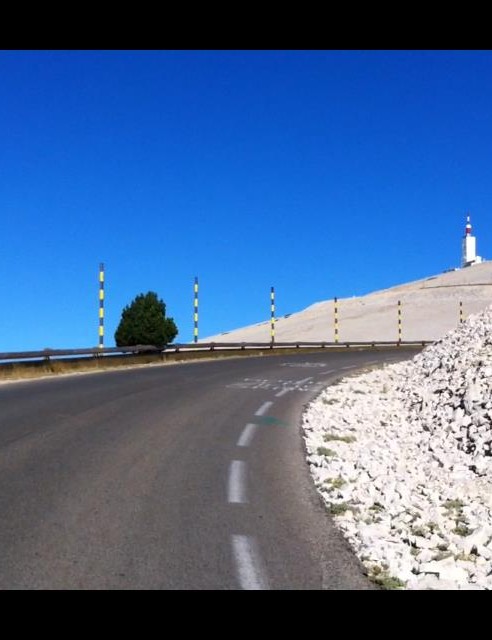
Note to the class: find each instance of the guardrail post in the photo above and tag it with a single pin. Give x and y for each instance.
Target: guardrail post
(461, 311)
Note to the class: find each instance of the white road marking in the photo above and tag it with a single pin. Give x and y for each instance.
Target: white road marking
(304, 380)
(273, 385)
(303, 364)
(263, 409)
(324, 373)
(247, 435)
(250, 573)
(236, 488)
(262, 385)
(283, 392)
(348, 367)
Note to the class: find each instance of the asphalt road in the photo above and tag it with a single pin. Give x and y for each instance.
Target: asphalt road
(189, 476)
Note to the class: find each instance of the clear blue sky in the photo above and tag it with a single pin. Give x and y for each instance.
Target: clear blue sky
(321, 173)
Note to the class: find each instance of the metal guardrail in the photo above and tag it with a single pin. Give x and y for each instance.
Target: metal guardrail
(49, 354)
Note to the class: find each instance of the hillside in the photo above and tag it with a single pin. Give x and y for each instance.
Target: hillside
(430, 308)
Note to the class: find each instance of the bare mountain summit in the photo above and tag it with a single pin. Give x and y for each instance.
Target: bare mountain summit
(429, 307)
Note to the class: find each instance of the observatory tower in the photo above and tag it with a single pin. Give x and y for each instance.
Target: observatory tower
(469, 247)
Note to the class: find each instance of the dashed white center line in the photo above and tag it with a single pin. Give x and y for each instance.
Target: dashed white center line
(251, 575)
(282, 393)
(247, 435)
(305, 380)
(263, 409)
(236, 487)
(324, 373)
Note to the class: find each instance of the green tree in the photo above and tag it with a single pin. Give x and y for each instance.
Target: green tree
(144, 322)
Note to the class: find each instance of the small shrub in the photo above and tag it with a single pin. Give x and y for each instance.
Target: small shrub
(442, 555)
(338, 509)
(385, 580)
(335, 483)
(377, 506)
(324, 451)
(329, 437)
(462, 530)
(433, 526)
(330, 400)
(453, 504)
(466, 557)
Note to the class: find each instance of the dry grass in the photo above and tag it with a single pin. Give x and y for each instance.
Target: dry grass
(53, 367)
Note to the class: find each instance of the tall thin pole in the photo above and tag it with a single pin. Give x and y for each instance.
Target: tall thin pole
(101, 305)
(461, 312)
(195, 314)
(399, 320)
(335, 311)
(272, 324)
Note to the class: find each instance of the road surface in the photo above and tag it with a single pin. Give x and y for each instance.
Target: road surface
(188, 476)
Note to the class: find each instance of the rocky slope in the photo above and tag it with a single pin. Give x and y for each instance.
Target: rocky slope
(402, 457)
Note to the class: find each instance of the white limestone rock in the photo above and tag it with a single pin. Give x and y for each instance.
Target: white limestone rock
(419, 472)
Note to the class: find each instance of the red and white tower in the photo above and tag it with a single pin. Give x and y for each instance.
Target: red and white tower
(469, 246)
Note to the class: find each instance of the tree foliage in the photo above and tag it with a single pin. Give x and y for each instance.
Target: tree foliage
(144, 322)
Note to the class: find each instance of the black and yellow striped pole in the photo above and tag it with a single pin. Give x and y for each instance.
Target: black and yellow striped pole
(101, 305)
(461, 312)
(399, 321)
(195, 313)
(335, 311)
(272, 309)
